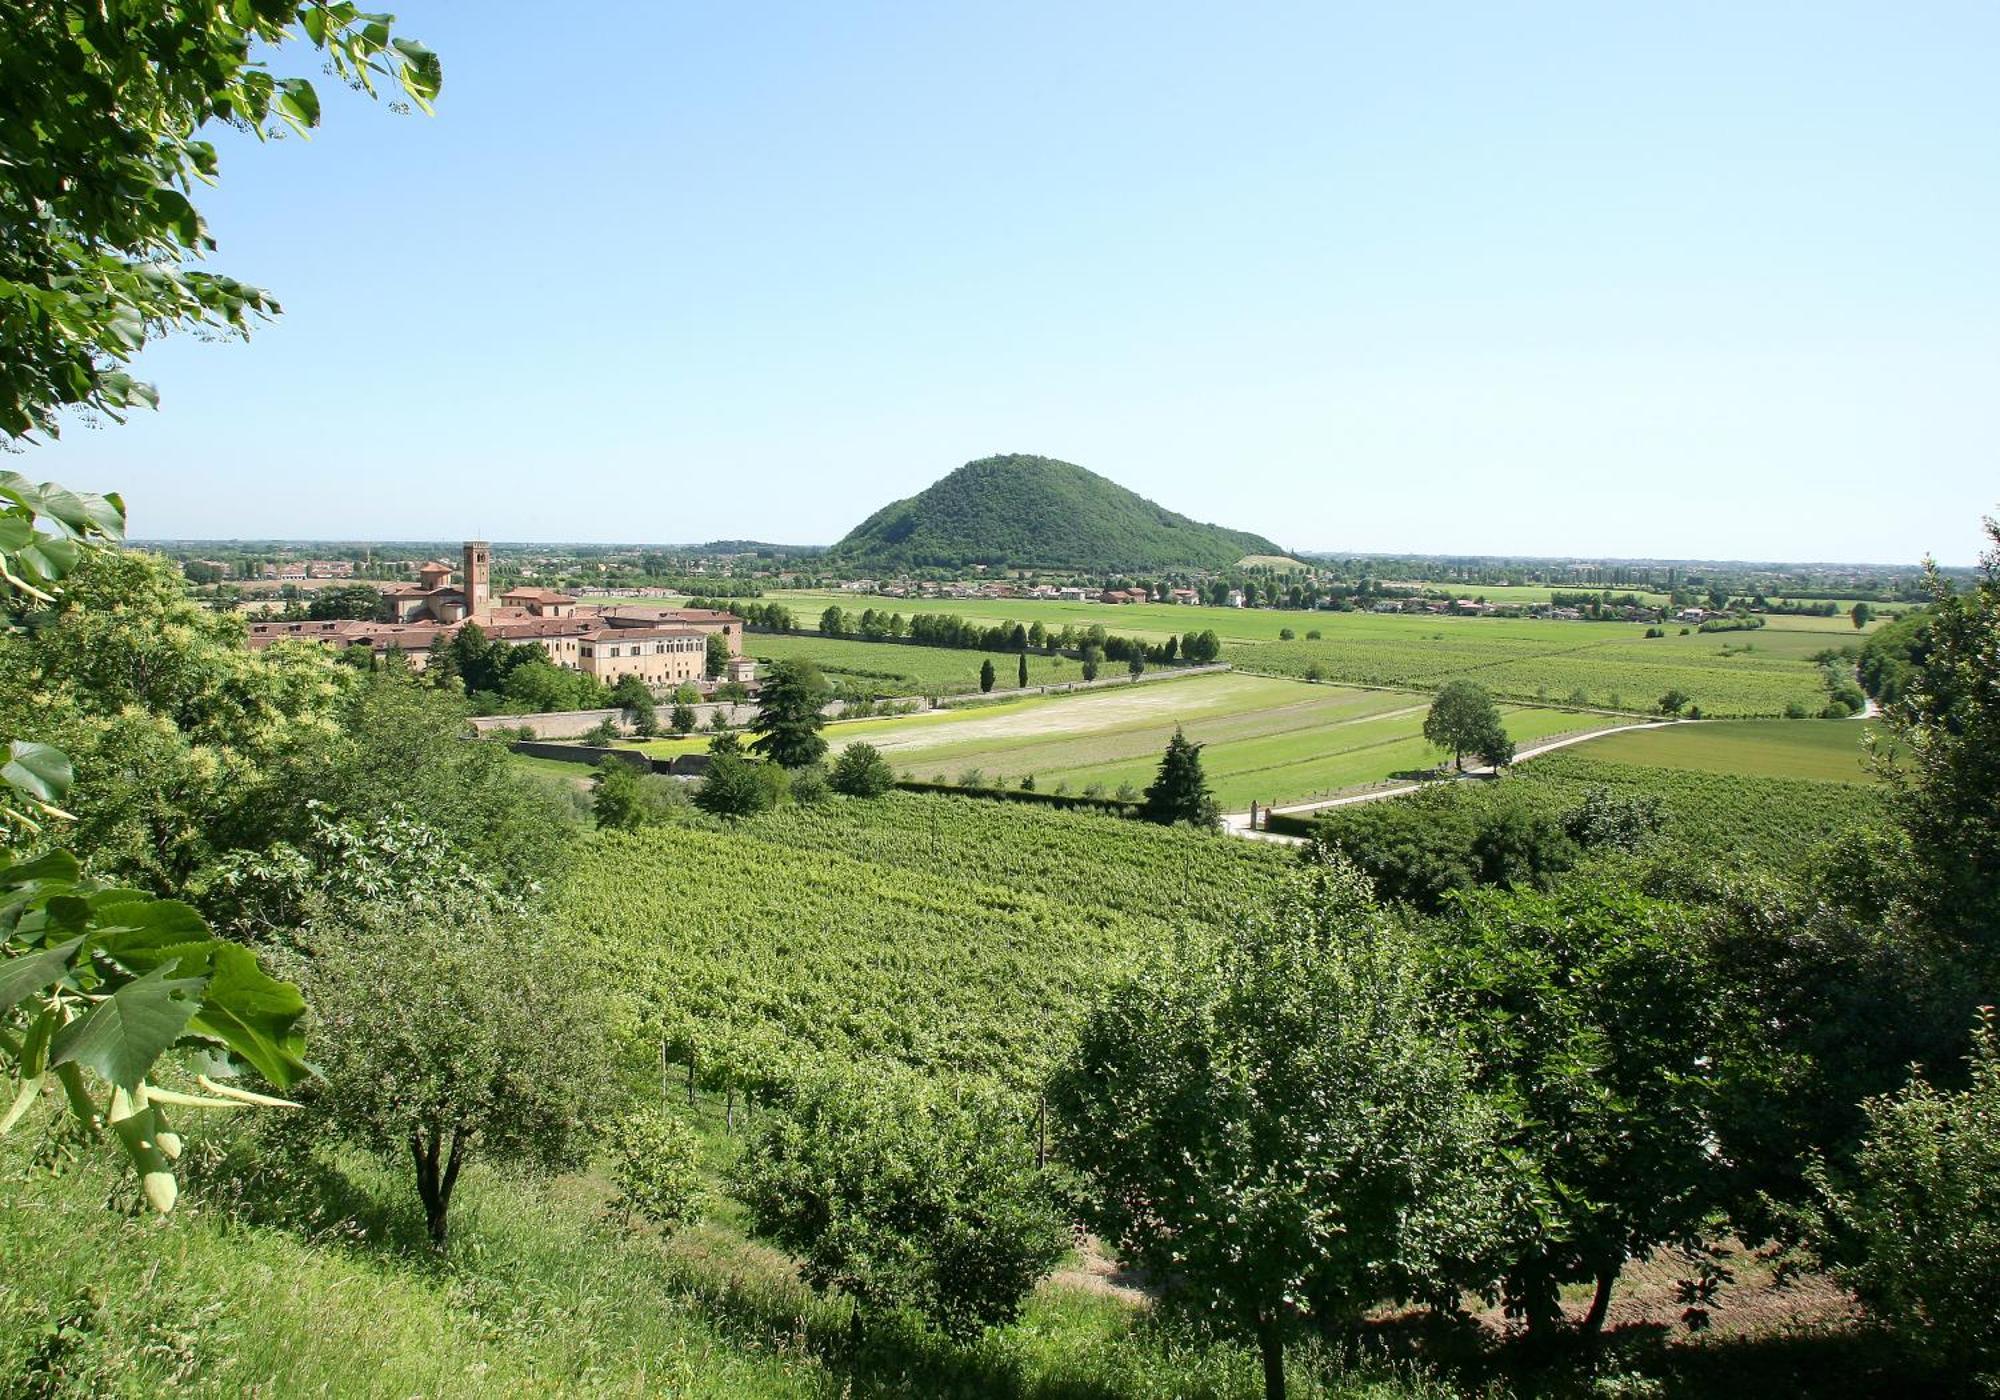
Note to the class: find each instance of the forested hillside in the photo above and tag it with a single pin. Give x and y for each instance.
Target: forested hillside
(1035, 511)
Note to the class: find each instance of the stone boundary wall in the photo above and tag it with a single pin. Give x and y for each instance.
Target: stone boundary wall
(688, 765)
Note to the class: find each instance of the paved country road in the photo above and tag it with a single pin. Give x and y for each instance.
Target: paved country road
(1238, 823)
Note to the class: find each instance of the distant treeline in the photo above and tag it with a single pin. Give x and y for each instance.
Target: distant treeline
(951, 630)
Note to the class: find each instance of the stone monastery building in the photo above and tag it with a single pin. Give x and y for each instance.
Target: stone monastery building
(664, 647)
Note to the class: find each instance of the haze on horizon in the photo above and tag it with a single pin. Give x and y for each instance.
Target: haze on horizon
(1699, 282)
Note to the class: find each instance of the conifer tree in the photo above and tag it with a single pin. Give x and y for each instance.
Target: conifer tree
(1021, 672)
(1180, 792)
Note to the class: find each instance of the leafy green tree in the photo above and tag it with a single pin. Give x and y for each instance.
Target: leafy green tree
(1091, 657)
(171, 724)
(493, 1044)
(861, 771)
(833, 622)
(632, 696)
(683, 719)
(716, 662)
(1272, 1120)
(1861, 614)
(789, 717)
(617, 802)
(1462, 719)
(1674, 701)
(733, 787)
(1945, 788)
(986, 675)
(104, 136)
(1180, 792)
(1914, 1229)
(899, 1195)
(360, 602)
(1591, 1022)
(1136, 666)
(656, 1168)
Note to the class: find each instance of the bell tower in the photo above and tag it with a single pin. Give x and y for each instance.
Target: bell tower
(478, 581)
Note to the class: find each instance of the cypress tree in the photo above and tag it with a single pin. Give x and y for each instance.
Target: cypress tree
(1021, 672)
(1180, 792)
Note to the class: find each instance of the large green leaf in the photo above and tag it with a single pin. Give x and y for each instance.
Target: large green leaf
(34, 972)
(41, 771)
(55, 868)
(122, 1035)
(255, 1015)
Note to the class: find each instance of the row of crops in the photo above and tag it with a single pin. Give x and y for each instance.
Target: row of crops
(953, 936)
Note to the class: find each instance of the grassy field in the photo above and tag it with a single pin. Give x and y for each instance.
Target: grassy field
(892, 668)
(1266, 739)
(1608, 665)
(1827, 750)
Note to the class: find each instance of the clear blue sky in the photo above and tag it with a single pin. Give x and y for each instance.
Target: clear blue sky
(1689, 279)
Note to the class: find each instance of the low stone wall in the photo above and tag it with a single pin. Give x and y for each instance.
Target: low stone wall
(688, 765)
(561, 724)
(582, 753)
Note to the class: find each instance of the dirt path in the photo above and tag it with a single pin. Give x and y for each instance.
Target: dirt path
(1238, 823)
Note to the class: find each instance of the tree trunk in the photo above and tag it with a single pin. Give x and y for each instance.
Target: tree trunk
(1600, 1304)
(434, 1180)
(1271, 1345)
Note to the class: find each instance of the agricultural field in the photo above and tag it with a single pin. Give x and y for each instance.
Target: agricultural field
(1825, 750)
(1601, 664)
(899, 669)
(1266, 740)
(948, 934)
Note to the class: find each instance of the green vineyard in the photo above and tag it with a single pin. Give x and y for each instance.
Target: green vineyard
(952, 936)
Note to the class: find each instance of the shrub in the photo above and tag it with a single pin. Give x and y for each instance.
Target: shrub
(1313, 635)
(734, 786)
(809, 785)
(656, 1168)
(1286, 634)
(861, 771)
(903, 1196)
(603, 734)
(1916, 1232)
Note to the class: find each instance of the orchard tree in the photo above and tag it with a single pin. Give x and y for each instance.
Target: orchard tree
(103, 136)
(1180, 792)
(492, 1045)
(1463, 719)
(898, 1194)
(1593, 1027)
(1271, 1118)
(789, 715)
